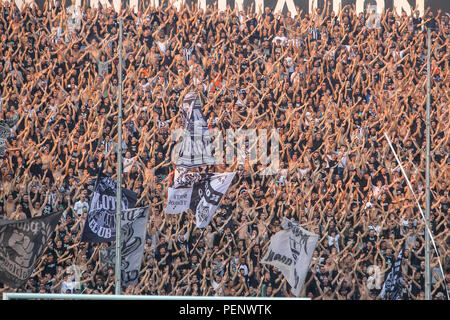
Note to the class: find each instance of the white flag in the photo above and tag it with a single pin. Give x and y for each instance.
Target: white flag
(178, 200)
(291, 250)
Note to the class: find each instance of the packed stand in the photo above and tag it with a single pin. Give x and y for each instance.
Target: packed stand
(331, 83)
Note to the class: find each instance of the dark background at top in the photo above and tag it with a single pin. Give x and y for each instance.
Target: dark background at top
(444, 5)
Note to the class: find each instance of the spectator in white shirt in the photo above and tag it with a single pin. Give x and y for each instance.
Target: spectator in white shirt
(80, 204)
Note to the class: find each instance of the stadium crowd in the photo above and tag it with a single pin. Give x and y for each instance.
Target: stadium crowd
(331, 83)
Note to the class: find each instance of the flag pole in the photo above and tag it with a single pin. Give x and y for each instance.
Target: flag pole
(119, 170)
(427, 176)
(427, 228)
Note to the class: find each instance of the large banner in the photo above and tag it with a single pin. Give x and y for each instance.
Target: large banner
(195, 147)
(22, 244)
(100, 225)
(133, 227)
(291, 250)
(293, 6)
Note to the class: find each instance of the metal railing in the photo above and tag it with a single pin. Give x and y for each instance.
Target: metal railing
(60, 296)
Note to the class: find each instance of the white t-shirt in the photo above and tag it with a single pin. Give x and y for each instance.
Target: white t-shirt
(68, 285)
(245, 268)
(215, 286)
(127, 163)
(78, 207)
(162, 45)
(282, 39)
(332, 240)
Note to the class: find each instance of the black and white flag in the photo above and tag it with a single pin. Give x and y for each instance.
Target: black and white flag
(189, 101)
(393, 285)
(100, 225)
(134, 227)
(185, 178)
(180, 191)
(22, 244)
(203, 197)
(195, 148)
(291, 250)
(206, 196)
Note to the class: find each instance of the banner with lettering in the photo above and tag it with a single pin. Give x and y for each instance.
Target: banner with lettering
(22, 244)
(133, 227)
(100, 225)
(178, 200)
(291, 250)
